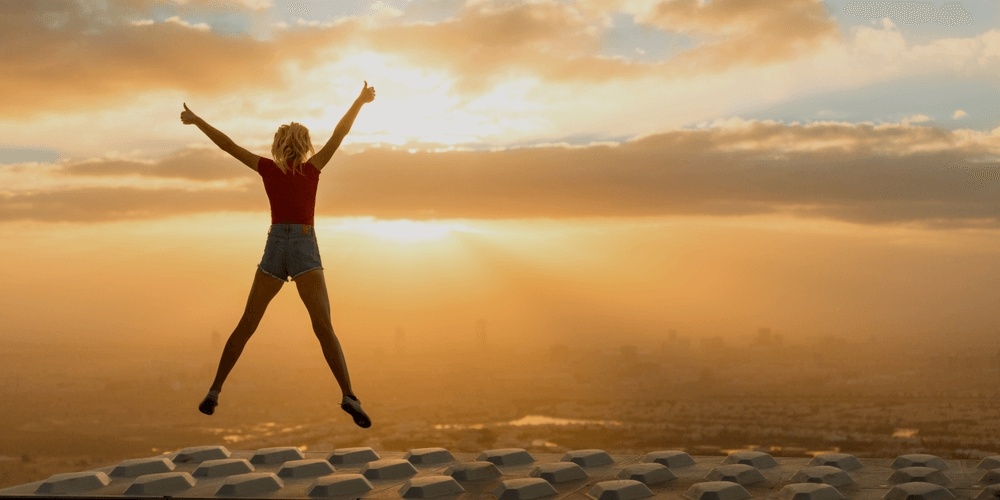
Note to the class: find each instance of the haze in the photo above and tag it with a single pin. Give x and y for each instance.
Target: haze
(585, 174)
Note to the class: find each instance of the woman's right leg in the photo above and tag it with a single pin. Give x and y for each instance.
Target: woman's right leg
(264, 289)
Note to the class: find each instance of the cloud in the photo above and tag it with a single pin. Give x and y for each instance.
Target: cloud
(742, 32)
(249, 4)
(191, 164)
(99, 204)
(59, 56)
(864, 173)
(70, 55)
(555, 41)
(486, 42)
(978, 55)
(861, 173)
(917, 118)
(959, 114)
(180, 22)
(78, 55)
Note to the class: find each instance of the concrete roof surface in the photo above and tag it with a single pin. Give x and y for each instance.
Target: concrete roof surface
(513, 473)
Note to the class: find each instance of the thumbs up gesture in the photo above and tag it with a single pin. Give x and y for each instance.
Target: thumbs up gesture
(367, 93)
(187, 116)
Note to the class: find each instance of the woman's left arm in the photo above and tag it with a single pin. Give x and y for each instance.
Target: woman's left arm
(322, 157)
(222, 140)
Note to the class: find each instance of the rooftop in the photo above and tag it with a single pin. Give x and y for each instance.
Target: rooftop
(513, 473)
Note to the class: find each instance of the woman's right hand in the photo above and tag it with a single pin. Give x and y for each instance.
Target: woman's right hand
(367, 93)
(187, 116)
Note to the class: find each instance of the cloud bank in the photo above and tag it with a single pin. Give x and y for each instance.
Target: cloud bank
(863, 173)
(60, 55)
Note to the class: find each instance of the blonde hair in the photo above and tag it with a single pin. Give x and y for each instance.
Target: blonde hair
(291, 142)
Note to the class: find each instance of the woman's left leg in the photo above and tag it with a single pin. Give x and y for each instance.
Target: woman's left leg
(312, 289)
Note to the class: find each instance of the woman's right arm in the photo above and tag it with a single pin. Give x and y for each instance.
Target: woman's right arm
(222, 140)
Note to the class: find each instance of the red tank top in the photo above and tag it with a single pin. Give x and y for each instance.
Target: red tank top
(292, 196)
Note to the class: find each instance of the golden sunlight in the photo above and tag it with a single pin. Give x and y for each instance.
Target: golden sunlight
(401, 230)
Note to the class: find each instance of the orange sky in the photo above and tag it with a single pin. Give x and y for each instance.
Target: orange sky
(569, 169)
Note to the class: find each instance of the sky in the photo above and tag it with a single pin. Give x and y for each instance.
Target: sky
(583, 170)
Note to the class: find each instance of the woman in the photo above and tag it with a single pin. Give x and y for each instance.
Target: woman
(291, 252)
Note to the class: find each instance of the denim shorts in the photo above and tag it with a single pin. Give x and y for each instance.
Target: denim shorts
(291, 250)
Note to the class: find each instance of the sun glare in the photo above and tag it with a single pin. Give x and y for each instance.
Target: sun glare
(401, 230)
(416, 104)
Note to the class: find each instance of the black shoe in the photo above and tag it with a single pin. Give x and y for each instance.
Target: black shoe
(352, 406)
(208, 405)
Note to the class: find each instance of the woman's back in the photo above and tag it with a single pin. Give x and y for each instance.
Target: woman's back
(292, 195)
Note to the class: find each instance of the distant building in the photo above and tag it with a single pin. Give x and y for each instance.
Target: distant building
(673, 343)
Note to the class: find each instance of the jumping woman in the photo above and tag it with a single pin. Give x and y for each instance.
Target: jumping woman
(290, 180)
